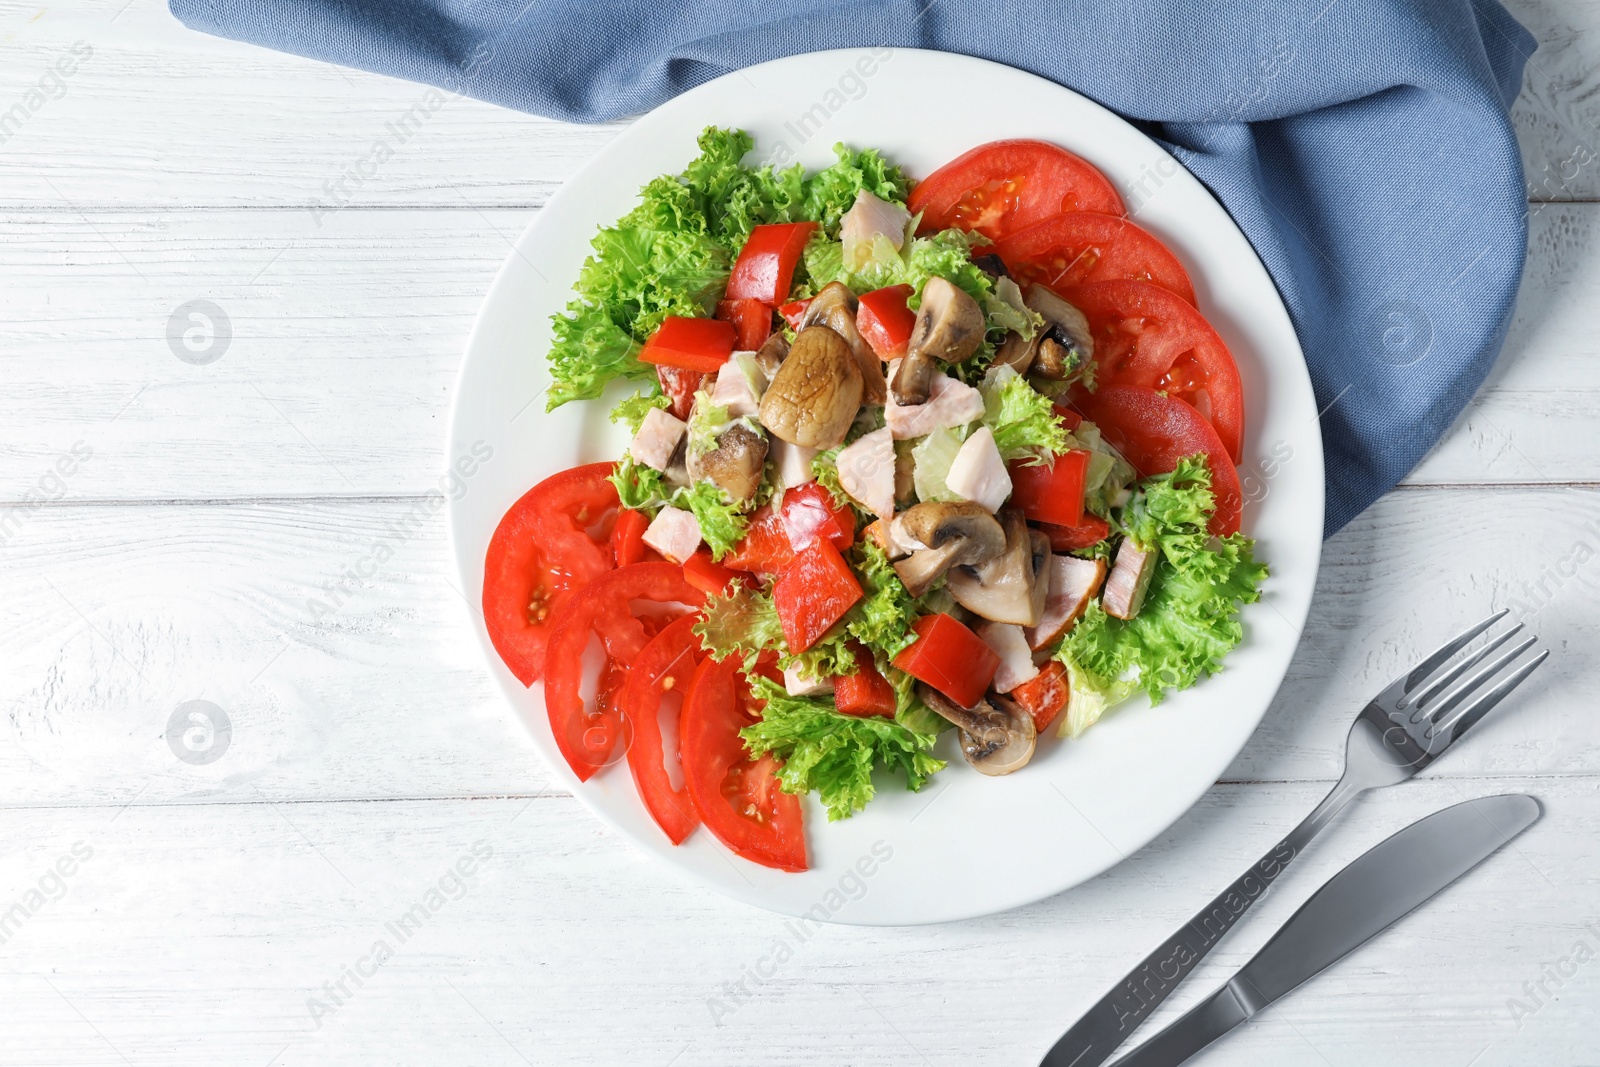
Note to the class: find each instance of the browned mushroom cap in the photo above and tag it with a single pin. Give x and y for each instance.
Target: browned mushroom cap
(1016, 353)
(816, 393)
(949, 323)
(952, 534)
(1011, 586)
(771, 355)
(1066, 343)
(735, 464)
(997, 736)
(913, 380)
(835, 307)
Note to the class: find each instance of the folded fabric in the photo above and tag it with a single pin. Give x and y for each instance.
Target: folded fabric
(1364, 146)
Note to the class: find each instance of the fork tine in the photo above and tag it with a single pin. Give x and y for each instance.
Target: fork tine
(1468, 716)
(1436, 686)
(1421, 671)
(1462, 690)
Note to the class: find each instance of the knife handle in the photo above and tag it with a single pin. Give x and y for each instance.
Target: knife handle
(1200, 1025)
(1116, 1015)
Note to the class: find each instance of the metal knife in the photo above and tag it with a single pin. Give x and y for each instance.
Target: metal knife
(1382, 886)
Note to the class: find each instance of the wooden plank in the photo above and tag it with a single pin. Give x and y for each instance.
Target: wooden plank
(563, 945)
(117, 615)
(160, 116)
(346, 341)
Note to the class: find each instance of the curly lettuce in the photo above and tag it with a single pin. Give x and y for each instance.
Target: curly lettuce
(638, 486)
(1023, 420)
(881, 619)
(722, 520)
(835, 754)
(741, 622)
(1188, 622)
(946, 254)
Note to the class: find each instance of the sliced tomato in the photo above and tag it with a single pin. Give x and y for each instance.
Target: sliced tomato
(949, 657)
(1003, 186)
(1147, 336)
(549, 545)
(737, 797)
(1044, 696)
(665, 666)
(765, 267)
(627, 538)
(702, 345)
(589, 738)
(867, 691)
(1085, 246)
(813, 592)
(1053, 493)
(1153, 432)
(794, 311)
(707, 575)
(680, 386)
(810, 512)
(765, 547)
(752, 322)
(884, 320)
(1091, 531)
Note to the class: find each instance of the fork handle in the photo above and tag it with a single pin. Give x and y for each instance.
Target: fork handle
(1103, 1027)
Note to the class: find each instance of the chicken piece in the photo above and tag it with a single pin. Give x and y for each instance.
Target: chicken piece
(866, 471)
(978, 473)
(949, 403)
(1016, 660)
(869, 218)
(1073, 583)
(793, 462)
(658, 437)
(803, 685)
(740, 383)
(888, 535)
(674, 533)
(1129, 579)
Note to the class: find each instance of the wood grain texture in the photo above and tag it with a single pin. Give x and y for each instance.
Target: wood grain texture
(346, 342)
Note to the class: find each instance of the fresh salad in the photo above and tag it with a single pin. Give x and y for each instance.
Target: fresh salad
(954, 456)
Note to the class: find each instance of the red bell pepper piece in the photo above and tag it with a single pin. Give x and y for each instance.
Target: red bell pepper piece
(765, 267)
(1051, 494)
(680, 386)
(1071, 419)
(1091, 531)
(810, 511)
(752, 322)
(702, 345)
(1044, 696)
(949, 657)
(885, 322)
(794, 311)
(707, 575)
(865, 692)
(627, 537)
(813, 593)
(765, 548)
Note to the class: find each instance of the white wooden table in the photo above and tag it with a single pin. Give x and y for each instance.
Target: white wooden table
(167, 524)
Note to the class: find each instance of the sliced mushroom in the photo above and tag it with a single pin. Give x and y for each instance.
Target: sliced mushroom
(1016, 353)
(677, 473)
(835, 308)
(945, 535)
(1129, 579)
(949, 326)
(1011, 586)
(770, 356)
(735, 464)
(816, 393)
(905, 471)
(997, 736)
(1066, 343)
(991, 265)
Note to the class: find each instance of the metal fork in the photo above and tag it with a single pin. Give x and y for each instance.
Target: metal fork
(1403, 729)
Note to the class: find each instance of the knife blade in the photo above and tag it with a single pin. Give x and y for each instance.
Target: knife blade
(1382, 886)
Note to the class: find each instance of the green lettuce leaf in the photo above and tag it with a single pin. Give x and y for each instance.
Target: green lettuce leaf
(831, 192)
(633, 409)
(946, 254)
(881, 619)
(1023, 420)
(638, 486)
(835, 754)
(931, 458)
(1189, 619)
(722, 522)
(741, 622)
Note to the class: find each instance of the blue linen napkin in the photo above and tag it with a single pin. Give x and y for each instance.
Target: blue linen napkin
(1364, 146)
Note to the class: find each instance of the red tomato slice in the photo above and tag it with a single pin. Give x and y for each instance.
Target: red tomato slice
(949, 657)
(1003, 186)
(587, 738)
(794, 311)
(813, 592)
(1083, 247)
(752, 322)
(1044, 696)
(627, 538)
(1051, 494)
(680, 386)
(1153, 432)
(1149, 337)
(702, 345)
(665, 665)
(866, 692)
(885, 321)
(707, 575)
(549, 545)
(1092, 530)
(765, 267)
(738, 798)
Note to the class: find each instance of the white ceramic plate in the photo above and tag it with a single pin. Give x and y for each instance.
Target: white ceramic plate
(967, 845)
